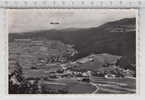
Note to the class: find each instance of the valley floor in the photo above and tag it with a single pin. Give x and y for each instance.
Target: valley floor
(95, 86)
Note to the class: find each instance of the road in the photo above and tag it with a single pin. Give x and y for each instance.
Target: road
(113, 87)
(97, 87)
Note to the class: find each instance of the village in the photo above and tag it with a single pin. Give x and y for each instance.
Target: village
(47, 62)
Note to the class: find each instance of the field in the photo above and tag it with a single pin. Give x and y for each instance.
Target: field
(70, 85)
(95, 86)
(124, 85)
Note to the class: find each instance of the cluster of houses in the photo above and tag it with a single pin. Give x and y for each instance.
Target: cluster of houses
(66, 72)
(36, 57)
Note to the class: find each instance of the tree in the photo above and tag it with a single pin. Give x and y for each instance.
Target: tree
(21, 84)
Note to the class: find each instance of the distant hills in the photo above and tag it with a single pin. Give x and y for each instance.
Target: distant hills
(117, 38)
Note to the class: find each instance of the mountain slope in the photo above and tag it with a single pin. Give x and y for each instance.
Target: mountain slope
(118, 38)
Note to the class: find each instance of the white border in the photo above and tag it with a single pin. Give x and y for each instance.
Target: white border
(3, 51)
(72, 4)
(141, 61)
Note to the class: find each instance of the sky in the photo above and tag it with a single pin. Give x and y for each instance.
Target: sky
(26, 20)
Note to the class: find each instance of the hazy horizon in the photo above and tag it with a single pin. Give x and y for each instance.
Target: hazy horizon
(28, 20)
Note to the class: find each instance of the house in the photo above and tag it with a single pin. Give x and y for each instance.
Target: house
(83, 60)
(110, 76)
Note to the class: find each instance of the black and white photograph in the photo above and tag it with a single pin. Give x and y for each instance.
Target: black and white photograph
(72, 51)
